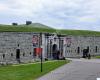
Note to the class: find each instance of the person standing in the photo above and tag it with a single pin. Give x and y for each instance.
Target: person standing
(89, 56)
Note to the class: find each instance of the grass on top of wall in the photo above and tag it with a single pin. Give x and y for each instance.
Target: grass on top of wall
(10, 28)
(27, 28)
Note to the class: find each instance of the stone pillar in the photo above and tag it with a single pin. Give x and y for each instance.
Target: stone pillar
(64, 46)
(43, 46)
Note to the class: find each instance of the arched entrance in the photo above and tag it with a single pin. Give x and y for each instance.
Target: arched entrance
(54, 47)
(54, 51)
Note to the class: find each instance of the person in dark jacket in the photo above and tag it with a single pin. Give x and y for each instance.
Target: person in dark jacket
(89, 56)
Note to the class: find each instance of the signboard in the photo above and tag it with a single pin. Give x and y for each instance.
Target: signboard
(68, 42)
(35, 40)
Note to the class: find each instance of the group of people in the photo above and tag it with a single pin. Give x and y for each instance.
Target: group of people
(58, 55)
(86, 54)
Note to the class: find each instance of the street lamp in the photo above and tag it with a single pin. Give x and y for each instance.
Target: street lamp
(40, 43)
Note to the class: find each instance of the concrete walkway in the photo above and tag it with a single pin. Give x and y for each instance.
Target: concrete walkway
(78, 69)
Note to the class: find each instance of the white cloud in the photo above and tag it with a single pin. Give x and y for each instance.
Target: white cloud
(3, 7)
(23, 7)
(62, 13)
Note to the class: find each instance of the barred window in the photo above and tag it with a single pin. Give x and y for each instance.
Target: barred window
(11, 54)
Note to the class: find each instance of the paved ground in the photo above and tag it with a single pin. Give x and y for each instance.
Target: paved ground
(78, 69)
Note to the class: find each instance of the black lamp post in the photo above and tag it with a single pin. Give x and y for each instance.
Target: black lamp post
(40, 43)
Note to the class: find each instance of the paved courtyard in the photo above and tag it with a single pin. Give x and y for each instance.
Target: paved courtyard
(78, 69)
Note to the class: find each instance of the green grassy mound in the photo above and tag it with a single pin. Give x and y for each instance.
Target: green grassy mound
(37, 27)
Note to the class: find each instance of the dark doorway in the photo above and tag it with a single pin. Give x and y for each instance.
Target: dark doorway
(78, 50)
(18, 55)
(54, 51)
(54, 47)
(96, 49)
(85, 53)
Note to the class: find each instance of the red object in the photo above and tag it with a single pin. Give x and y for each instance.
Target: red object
(38, 51)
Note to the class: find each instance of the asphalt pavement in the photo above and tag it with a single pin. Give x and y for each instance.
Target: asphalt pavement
(77, 69)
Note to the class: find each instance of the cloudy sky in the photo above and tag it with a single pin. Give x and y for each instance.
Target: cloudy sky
(62, 14)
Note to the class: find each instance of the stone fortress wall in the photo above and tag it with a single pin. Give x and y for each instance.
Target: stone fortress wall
(9, 43)
(72, 46)
(79, 43)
